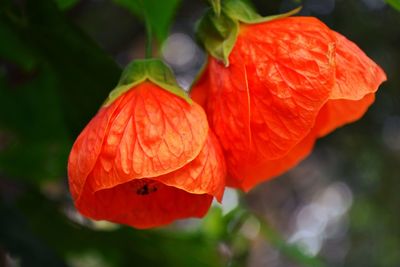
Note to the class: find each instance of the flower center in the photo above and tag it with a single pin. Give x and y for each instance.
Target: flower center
(144, 187)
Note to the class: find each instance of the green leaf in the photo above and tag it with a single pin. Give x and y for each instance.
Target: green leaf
(56, 79)
(394, 3)
(158, 13)
(66, 4)
(291, 251)
(122, 246)
(32, 121)
(14, 49)
(19, 240)
(153, 70)
(240, 215)
(84, 72)
(213, 225)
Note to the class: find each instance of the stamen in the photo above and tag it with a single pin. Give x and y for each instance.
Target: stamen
(147, 188)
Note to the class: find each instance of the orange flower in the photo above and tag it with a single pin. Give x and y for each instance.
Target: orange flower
(146, 159)
(289, 81)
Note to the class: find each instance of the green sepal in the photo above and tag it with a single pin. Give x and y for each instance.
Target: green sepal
(218, 32)
(216, 6)
(153, 70)
(240, 10)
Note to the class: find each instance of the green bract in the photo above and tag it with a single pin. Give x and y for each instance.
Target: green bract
(218, 35)
(153, 70)
(218, 31)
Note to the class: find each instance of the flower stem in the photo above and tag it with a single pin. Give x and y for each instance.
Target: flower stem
(149, 39)
(149, 32)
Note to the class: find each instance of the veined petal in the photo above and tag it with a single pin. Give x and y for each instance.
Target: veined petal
(286, 86)
(151, 132)
(87, 147)
(141, 203)
(280, 75)
(356, 74)
(271, 168)
(204, 175)
(199, 93)
(336, 113)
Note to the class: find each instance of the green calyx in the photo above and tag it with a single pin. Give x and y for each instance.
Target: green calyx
(153, 70)
(218, 31)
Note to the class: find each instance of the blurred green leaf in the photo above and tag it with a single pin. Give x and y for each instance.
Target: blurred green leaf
(17, 237)
(85, 74)
(14, 49)
(293, 252)
(158, 13)
(240, 215)
(213, 225)
(36, 138)
(66, 4)
(394, 3)
(121, 247)
(54, 81)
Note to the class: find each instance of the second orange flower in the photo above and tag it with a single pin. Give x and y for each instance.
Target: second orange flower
(284, 83)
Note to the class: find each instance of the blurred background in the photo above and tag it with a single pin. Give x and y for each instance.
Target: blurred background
(58, 61)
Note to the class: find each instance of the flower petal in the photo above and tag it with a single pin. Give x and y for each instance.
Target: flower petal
(356, 74)
(204, 175)
(141, 203)
(151, 133)
(199, 92)
(87, 147)
(336, 113)
(262, 105)
(272, 168)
